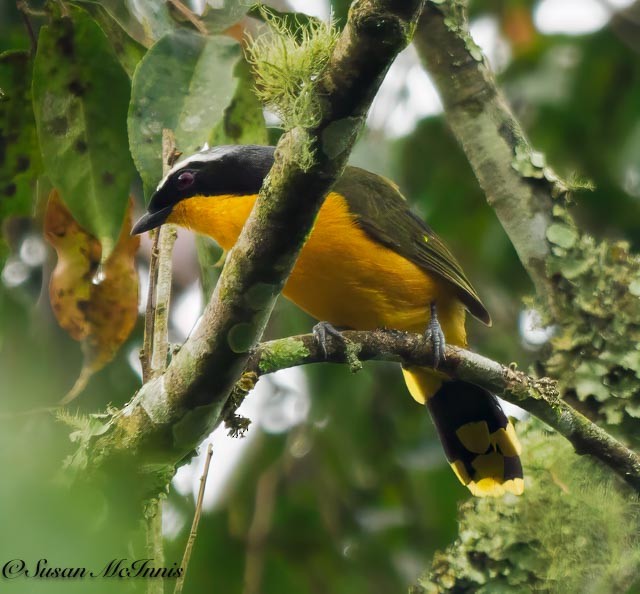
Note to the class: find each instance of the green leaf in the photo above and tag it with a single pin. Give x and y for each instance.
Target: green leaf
(183, 83)
(126, 47)
(80, 96)
(122, 13)
(154, 17)
(210, 258)
(19, 154)
(243, 119)
(220, 15)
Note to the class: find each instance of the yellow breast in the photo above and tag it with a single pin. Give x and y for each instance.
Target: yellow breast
(342, 275)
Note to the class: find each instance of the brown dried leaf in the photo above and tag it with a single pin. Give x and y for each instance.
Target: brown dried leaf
(97, 305)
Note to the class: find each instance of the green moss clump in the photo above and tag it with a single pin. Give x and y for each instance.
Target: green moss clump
(236, 424)
(287, 63)
(352, 350)
(575, 529)
(85, 429)
(282, 353)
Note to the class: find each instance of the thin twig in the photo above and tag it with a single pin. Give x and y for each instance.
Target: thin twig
(166, 238)
(156, 340)
(194, 525)
(149, 315)
(155, 346)
(24, 12)
(155, 549)
(260, 527)
(190, 16)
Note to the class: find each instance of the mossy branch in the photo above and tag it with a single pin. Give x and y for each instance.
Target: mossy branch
(173, 412)
(518, 184)
(538, 396)
(586, 288)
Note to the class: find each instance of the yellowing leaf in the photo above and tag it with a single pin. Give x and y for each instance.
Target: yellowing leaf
(97, 305)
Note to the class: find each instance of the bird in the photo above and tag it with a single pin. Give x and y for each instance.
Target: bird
(369, 262)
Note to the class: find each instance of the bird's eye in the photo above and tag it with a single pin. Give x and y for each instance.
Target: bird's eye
(185, 179)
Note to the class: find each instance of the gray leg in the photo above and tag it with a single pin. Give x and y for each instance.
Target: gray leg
(435, 335)
(323, 329)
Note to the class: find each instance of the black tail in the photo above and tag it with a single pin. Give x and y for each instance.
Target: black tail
(478, 439)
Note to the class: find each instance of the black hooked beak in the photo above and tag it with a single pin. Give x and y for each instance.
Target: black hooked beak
(151, 220)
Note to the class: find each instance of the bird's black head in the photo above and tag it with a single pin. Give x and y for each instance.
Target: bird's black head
(232, 169)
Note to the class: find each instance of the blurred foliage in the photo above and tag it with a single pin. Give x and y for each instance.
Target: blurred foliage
(575, 531)
(358, 497)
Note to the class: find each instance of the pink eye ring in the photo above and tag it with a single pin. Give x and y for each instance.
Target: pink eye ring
(185, 179)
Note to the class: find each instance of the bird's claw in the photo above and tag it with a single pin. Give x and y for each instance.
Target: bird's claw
(320, 332)
(435, 335)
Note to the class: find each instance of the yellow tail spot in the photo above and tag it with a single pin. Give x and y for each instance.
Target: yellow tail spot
(460, 471)
(486, 487)
(507, 441)
(515, 486)
(489, 487)
(422, 385)
(490, 465)
(475, 436)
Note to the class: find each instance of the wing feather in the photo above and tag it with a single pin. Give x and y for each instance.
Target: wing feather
(382, 212)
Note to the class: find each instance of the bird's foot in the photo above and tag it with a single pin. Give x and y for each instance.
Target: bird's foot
(435, 335)
(323, 329)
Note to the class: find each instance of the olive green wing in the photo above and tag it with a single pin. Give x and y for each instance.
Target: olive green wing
(383, 213)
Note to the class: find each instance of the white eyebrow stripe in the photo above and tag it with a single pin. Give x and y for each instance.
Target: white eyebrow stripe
(206, 155)
(203, 155)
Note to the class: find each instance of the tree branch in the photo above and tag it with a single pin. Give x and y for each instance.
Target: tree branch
(155, 348)
(171, 413)
(583, 284)
(195, 523)
(517, 183)
(584, 287)
(538, 396)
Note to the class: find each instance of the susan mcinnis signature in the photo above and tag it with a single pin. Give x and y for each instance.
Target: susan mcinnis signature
(115, 568)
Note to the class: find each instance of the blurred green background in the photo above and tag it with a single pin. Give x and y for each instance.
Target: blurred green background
(341, 485)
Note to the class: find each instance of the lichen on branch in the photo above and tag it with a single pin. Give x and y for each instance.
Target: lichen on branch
(595, 350)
